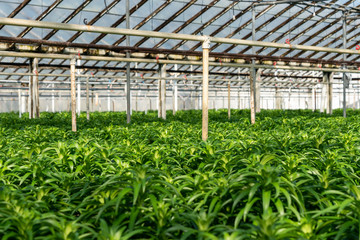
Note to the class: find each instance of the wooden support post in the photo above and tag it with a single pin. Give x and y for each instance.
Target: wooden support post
(109, 100)
(136, 101)
(128, 80)
(53, 98)
(252, 94)
(60, 99)
(175, 94)
(31, 91)
(324, 85)
(205, 93)
(289, 99)
(257, 90)
(313, 99)
(278, 98)
(36, 94)
(163, 91)
(215, 101)
(146, 104)
(329, 93)
(87, 100)
(20, 98)
(229, 107)
(354, 101)
(73, 94)
(78, 102)
(344, 58)
(159, 106)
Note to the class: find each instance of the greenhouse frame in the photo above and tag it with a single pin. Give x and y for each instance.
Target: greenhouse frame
(195, 57)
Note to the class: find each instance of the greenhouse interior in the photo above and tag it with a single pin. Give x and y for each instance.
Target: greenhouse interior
(179, 119)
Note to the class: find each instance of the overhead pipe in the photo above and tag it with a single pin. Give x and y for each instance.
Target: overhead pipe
(163, 61)
(177, 36)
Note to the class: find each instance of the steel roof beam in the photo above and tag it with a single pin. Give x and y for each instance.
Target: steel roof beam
(96, 18)
(309, 28)
(41, 16)
(144, 21)
(208, 23)
(198, 14)
(68, 18)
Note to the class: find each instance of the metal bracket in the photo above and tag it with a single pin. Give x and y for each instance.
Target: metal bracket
(206, 43)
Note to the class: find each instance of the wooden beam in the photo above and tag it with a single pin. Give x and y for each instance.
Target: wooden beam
(205, 93)
(258, 90)
(252, 94)
(87, 100)
(73, 94)
(36, 94)
(162, 96)
(329, 109)
(324, 91)
(31, 92)
(229, 100)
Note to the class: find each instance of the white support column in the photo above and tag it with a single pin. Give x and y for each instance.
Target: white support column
(329, 93)
(36, 94)
(158, 98)
(162, 92)
(31, 92)
(252, 95)
(60, 99)
(205, 93)
(229, 101)
(354, 99)
(87, 100)
(53, 98)
(128, 79)
(278, 98)
(20, 101)
(257, 91)
(324, 86)
(73, 94)
(289, 99)
(313, 98)
(109, 100)
(78, 96)
(175, 92)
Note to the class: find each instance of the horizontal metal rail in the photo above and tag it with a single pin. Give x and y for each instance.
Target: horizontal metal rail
(153, 34)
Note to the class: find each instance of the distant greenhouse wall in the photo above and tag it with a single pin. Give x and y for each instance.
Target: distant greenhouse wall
(186, 101)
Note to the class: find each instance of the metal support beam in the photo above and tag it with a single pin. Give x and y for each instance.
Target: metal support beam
(278, 98)
(323, 99)
(78, 97)
(313, 99)
(175, 93)
(252, 94)
(20, 100)
(87, 100)
(162, 92)
(31, 91)
(229, 107)
(344, 58)
(329, 93)
(163, 61)
(73, 94)
(205, 90)
(142, 33)
(257, 91)
(53, 98)
(36, 94)
(128, 90)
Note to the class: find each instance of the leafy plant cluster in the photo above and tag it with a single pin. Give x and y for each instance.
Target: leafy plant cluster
(292, 175)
